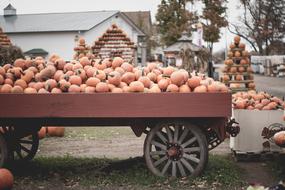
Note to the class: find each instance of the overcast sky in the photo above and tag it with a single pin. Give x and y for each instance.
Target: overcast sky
(52, 6)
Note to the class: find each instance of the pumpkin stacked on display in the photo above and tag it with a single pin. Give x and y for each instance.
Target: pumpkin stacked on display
(114, 43)
(253, 100)
(82, 50)
(87, 75)
(6, 179)
(237, 71)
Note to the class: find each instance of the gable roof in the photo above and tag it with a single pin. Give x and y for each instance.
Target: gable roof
(142, 19)
(54, 22)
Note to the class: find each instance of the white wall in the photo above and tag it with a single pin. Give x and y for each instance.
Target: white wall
(62, 43)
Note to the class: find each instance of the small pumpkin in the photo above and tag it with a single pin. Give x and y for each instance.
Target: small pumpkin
(42, 133)
(17, 89)
(168, 70)
(172, 88)
(117, 62)
(74, 89)
(102, 87)
(117, 90)
(74, 79)
(279, 138)
(177, 78)
(92, 81)
(90, 89)
(6, 179)
(194, 82)
(128, 77)
(127, 67)
(55, 131)
(101, 75)
(200, 89)
(21, 83)
(30, 90)
(146, 81)
(163, 83)
(237, 39)
(114, 78)
(6, 88)
(184, 89)
(136, 86)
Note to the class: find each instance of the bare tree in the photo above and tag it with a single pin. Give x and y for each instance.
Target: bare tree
(262, 24)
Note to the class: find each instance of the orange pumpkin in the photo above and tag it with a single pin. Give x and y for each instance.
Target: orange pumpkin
(81, 73)
(233, 69)
(64, 85)
(229, 62)
(50, 84)
(55, 131)
(243, 62)
(100, 65)
(30, 90)
(90, 89)
(74, 79)
(241, 45)
(237, 54)
(172, 88)
(56, 91)
(146, 81)
(42, 133)
(279, 138)
(74, 89)
(136, 86)
(127, 67)
(21, 83)
(2, 71)
(101, 75)
(200, 89)
(168, 70)
(120, 70)
(237, 39)
(68, 67)
(213, 87)
(184, 89)
(102, 87)
(93, 81)
(91, 71)
(20, 63)
(6, 88)
(117, 90)
(151, 66)
(117, 62)
(194, 82)
(114, 78)
(239, 77)
(226, 78)
(128, 77)
(154, 89)
(43, 91)
(84, 61)
(60, 64)
(230, 54)
(17, 89)
(241, 69)
(163, 83)
(6, 179)
(152, 76)
(28, 76)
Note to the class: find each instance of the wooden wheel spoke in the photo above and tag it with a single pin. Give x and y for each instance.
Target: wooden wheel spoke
(165, 168)
(192, 158)
(169, 133)
(183, 136)
(190, 141)
(181, 169)
(155, 153)
(25, 149)
(192, 149)
(157, 144)
(158, 162)
(176, 132)
(25, 142)
(18, 151)
(174, 169)
(187, 165)
(161, 136)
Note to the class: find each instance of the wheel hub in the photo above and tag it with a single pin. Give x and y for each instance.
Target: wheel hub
(174, 152)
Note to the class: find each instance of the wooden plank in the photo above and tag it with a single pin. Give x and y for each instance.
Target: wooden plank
(133, 105)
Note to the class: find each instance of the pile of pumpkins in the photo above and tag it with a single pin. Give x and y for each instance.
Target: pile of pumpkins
(51, 131)
(99, 76)
(253, 100)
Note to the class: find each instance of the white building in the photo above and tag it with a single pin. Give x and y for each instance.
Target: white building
(57, 32)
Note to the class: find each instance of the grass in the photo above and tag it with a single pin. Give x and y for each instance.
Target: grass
(100, 173)
(277, 167)
(97, 132)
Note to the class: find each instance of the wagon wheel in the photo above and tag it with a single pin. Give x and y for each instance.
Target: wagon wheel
(176, 149)
(3, 151)
(21, 149)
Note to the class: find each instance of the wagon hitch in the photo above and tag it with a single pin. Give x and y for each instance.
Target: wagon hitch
(233, 128)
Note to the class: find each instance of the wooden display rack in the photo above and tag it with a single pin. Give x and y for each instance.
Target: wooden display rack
(245, 82)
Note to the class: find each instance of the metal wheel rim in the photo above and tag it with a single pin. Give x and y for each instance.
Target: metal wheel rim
(190, 145)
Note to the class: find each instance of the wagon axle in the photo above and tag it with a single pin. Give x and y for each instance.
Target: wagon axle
(174, 151)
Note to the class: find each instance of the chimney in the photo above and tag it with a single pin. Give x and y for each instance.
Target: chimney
(10, 11)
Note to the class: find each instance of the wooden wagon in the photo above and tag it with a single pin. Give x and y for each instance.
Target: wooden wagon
(181, 128)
